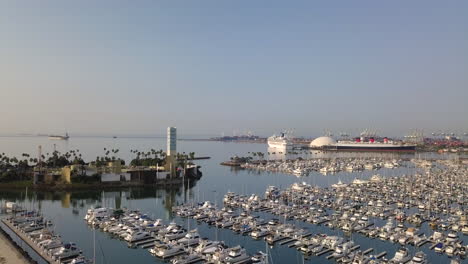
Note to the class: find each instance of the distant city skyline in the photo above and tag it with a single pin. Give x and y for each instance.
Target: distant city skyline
(110, 67)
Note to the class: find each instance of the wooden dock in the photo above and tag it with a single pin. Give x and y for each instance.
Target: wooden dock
(28, 241)
(381, 255)
(287, 241)
(325, 251)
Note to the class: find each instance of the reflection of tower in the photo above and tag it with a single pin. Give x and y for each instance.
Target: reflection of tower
(171, 150)
(66, 200)
(170, 200)
(118, 200)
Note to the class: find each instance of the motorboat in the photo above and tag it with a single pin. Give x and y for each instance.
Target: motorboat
(340, 184)
(68, 250)
(190, 239)
(33, 227)
(401, 256)
(259, 258)
(172, 226)
(176, 234)
(452, 237)
(237, 255)
(343, 249)
(80, 260)
(52, 243)
(259, 233)
(167, 250)
(187, 259)
(208, 246)
(419, 258)
(137, 236)
(156, 226)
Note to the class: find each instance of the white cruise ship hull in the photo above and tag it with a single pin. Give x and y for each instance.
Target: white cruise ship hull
(279, 145)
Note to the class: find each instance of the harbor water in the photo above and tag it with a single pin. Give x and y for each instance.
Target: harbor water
(66, 209)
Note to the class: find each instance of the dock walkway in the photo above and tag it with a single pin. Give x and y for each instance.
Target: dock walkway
(28, 241)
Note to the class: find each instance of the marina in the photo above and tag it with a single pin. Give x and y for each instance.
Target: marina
(255, 227)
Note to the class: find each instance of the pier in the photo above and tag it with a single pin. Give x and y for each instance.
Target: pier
(28, 241)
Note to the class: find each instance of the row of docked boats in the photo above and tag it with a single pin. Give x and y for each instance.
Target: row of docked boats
(300, 167)
(350, 219)
(45, 241)
(274, 232)
(409, 200)
(168, 242)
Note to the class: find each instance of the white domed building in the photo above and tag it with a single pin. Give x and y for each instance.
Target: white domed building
(322, 142)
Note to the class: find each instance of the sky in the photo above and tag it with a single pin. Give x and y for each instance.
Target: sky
(211, 67)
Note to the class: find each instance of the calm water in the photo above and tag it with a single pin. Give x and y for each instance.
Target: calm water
(67, 209)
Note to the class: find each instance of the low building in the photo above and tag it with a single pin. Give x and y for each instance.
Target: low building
(52, 175)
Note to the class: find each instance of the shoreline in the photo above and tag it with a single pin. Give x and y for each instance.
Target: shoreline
(84, 186)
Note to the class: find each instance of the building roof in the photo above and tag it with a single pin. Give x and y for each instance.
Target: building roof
(322, 141)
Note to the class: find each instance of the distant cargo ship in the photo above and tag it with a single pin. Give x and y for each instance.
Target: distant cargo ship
(59, 137)
(238, 138)
(360, 144)
(280, 142)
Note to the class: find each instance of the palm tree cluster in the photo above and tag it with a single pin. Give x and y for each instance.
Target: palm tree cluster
(12, 168)
(148, 158)
(109, 156)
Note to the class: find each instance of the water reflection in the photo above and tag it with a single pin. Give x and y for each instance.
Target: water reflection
(278, 154)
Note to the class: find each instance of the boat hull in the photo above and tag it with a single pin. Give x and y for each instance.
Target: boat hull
(357, 147)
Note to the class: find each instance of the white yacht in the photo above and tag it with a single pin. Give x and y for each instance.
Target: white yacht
(176, 234)
(343, 249)
(190, 239)
(340, 184)
(452, 237)
(237, 255)
(261, 232)
(51, 243)
(419, 258)
(281, 142)
(208, 246)
(401, 256)
(137, 236)
(185, 259)
(167, 250)
(67, 251)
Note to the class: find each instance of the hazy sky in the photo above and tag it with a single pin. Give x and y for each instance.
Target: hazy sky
(216, 66)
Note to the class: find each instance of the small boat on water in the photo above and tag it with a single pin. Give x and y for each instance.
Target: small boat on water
(68, 250)
(59, 137)
(137, 236)
(419, 258)
(401, 256)
(167, 250)
(237, 255)
(190, 239)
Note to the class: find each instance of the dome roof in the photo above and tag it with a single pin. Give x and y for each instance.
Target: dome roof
(322, 141)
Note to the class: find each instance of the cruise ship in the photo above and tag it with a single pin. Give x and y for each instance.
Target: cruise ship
(280, 142)
(360, 144)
